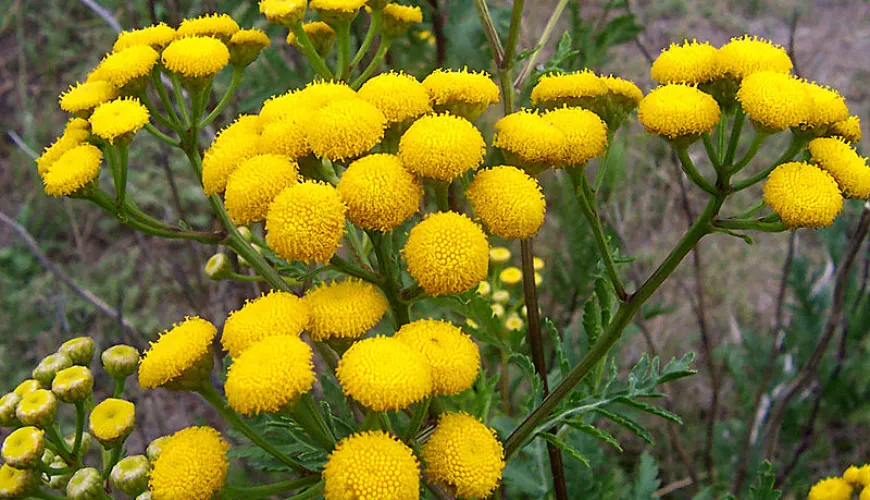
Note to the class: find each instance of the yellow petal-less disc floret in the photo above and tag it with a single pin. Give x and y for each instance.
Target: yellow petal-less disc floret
(585, 133)
(828, 106)
(287, 135)
(338, 6)
(380, 194)
(73, 170)
(371, 466)
(832, 488)
(572, 89)
(23, 447)
(192, 465)
(399, 96)
(112, 421)
(622, 88)
(269, 375)
(678, 110)
(344, 310)
(441, 147)
(346, 129)
(464, 93)
(849, 129)
(157, 37)
(464, 455)
(529, 141)
(196, 56)
(252, 187)
(231, 147)
(319, 94)
(220, 26)
(398, 19)
(15, 483)
(746, 55)
(86, 96)
(776, 101)
(508, 201)
(177, 353)
(848, 168)
(128, 65)
(452, 355)
(510, 275)
(803, 195)
(383, 373)
(278, 313)
(119, 118)
(76, 131)
(27, 388)
(284, 12)
(690, 62)
(306, 222)
(447, 253)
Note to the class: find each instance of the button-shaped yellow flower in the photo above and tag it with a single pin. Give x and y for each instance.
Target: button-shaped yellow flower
(73, 170)
(8, 403)
(80, 350)
(284, 12)
(689, 62)
(847, 167)
(849, 129)
(322, 36)
(452, 355)
(128, 66)
(508, 201)
(27, 387)
(746, 55)
(346, 129)
(246, 45)
(624, 90)
(319, 94)
(287, 135)
(371, 465)
(48, 367)
(344, 310)
(529, 141)
(776, 101)
(441, 147)
(73, 384)
(571, 89)
(23, 448)
(585, 134)
(510, 275)
(37, 408)
(832, 488)
(180, 358)
(192, 465)
(196, 57)
(220, 26)
(828, 106)
(461, 92)
(112, 421)
(84, 97)
(76, 131)
(678, 110)
(398, 19)
(447, 253)
(306, 222)
(120, 361)
(464, 455)
(399, 96)
(252, 187)
(118, 119)
(278, 313)
(157, 37)
(337, 11)
(269, 375)
(233, 145)
(379, 192)
(803, 195)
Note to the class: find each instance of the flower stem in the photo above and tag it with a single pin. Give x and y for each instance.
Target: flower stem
(757, 140)
(754, 225)
(794, 148)
(374, 28)
(390, 286)
(310, 53)
(417, 418)
(375, 62)
(268, 490)
(119, 387)
(308, 415)
(80, 429)
(161, 136)
(121, 187)
(692, 172)
(54, 436)
(179, 99)
(342, 68)
(736, 129)
(348, 268)
(442, 195)
(603, 164)
(164, 97)
(231, 91)
(113, 459)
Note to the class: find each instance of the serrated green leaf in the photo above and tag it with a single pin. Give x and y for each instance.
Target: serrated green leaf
(594, 432)
(677, 368)
(552, 438)
(627, 423)
(605, 299)
(564, 365)
(528, 368)
(763, 488)
(647, 480)
(639, 372)
(592, 320)
(650, 408)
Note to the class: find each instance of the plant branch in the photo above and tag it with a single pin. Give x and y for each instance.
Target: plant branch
(228, 95)
(545, 37)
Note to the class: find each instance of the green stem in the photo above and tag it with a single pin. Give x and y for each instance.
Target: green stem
(374, 28)
(231, 91)
(342, 67)
(711, 150)
(154, 113)
(164, 97)
(113, 459)
(417, 418)
(583, 193)
(375, 62)
(372, 422)
(736, 130)
(442, 195)
(308, 416)
(211, 396)
(510, 46)
(179, 100)
(751, 225)
(327, 170)
(545, 37)
(356, 245)
(80, 429)
(311, 493)
(119, 387)
(268, 490)
(401, 311)
(692, 172)
(243, 277)
(121, 188)
(348, 268)
(44, 496)
(490, 31)
(310, 53)
(60, 445)
(51, 471)
(603, 164)
(750, 211)
(163, 137)
(721, 138)
(794, 148)
(757, 140)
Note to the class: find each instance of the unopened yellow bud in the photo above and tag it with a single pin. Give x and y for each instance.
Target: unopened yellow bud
(284, 12)
(320, 34)
(73, 384)
(336, 13)
(501, 296)
(497, 310)
(218, 267)
(7, 409)
(484, 288)
(112, 421)
(155, 447)
(79, 350)
(245, 233)
(23, 448)
(398, 19)
(15, 483)
(243, 262)
(37, 409)
(27, 387)
(246, 45)
(510, 276)
(49, 366)
(538, 263)
(499, 255)
(130, 475)
(120, 361)
(87, 441)
(85, 484)
(513, 322)
(58, 481)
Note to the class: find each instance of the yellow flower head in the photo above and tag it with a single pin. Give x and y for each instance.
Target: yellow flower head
(344, 310)
(322, 36)
(192, 465)
(176, 353)
(118, 118)
(399, 96)
(86, 96)
(452, 355)
(77, 130)
(220, 26)
(448, 87)
(319, 94)
(371, 466)
(832, 488)
(776, 101)
(343, 6)
(383, 373)
(573, 89)
(278, 313)
(284, 12)
(287, 135)
(346, 129)
(246, 45)
(27, 388)
(865, 493)
(690, 62)
(508, 201)
(746, 55)
(73, 170)
(441, 147)
(447, 253)
(73, 384)
(128, 65)
(112, 420)
(23, 447)
(231, 147)
(585, 133)
(278, 107)
(828, 106)
(398, 19)
(15, 483)
(253, 186)
(514, 322)
(678, 110)
(270, 374)
(37, 408)
(841, 160)
(803, 195)
(510, 275)
(499, 255)
(157, 37)
(622, 88)
(464, 455)
(380, 194)
(196, 56)
(529, 140)
(849, 129)
(852, 475)
(306, 222)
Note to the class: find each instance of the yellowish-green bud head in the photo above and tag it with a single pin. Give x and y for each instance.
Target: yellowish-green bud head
(87, 440)
(337, 12)
(58, 481)
(49, 366)
(79, 350)
(499, 255)
(28, 386)
(245, 233)
(155, 447)
(15, 483)
(73, 384)
(85, 484)
(398, 19)
(112, 421)
(511, 275)
(48, 456)
(120, 361)
(321, 35)
(513, 322)
(7, 409)
(37, 409)
(130, 475)
(501, 296)
(497, 310)
(484, 288)
(23, 448)
(246, 45)
(218, 266)
(284, 12)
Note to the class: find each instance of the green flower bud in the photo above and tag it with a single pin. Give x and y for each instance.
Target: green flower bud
(87, 441)
(7, 409)
(246, 45)
(155, 447)
(130, 475)
(73, 384)
(27, 387)
(48, 456)
(85, 484)
(15, 483)
(49, 366)
(58, 481)
(245, 233)
(23, 448)
(144, 496)
(80, 350)
(218, 267)
(120, 361)
(37, 409)
(112, 421)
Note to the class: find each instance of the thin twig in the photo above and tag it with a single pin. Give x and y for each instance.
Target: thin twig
(545, 37)
(107, 16)
(438, 31)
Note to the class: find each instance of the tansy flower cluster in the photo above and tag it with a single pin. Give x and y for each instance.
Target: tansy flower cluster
(855, 480)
